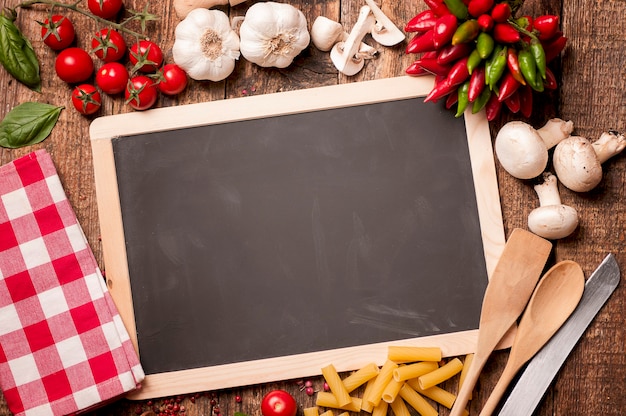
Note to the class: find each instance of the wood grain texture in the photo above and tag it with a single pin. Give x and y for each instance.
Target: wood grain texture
(592, 74)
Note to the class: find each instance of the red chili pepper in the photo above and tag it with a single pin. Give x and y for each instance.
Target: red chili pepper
(508, 85)
(459, 73)
(476, 83)
(431, 65)
(440, 90)
(479, 7)
(492, 108)
(422, 42)
(444, 30)
(526, 100)
(505, 33)
(451, 53)
(547, 26)
(485, 22)
(451, 100)
(554, 48)
(513, 65)
(550, 82)
(437, 6)
(415, 69)
(513, 102)
(422, 22)
(501, 12)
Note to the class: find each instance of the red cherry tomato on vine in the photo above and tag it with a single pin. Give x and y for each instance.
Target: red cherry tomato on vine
(86, 99)
(278, 403)
(108, 45)
(73, 65)
(173, 79)
(141, 93)
(112, 78)
(145, 56)
(106, 9)
(57, 32)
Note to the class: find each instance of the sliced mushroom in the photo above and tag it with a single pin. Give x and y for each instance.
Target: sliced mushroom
(344, 54)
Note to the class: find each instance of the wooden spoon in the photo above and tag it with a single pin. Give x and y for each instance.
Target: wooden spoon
(511, 285)
(553, 301)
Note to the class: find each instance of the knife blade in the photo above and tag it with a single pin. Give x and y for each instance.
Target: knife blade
(541, 370)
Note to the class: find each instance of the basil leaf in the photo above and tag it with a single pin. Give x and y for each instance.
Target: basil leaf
(27, 124)
(17, 54)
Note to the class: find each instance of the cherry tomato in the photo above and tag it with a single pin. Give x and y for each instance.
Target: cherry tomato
(278, 403)
(112, 78)
(105, 9)
(73, 65)
(57, 32)
(108, 45)
(145, 56)
(86, 99)
(173, 79)
(141, 92)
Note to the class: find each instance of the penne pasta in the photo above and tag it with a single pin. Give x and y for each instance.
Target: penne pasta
(416, 401)
(441, 374)
(327, 399)
(311, 411)
(435, 393)
(410, 371)
(391, 390)
(360, 377)
(399, 407)
(336, 385)
(381, 381)
(466, 364)
(381, 409)
(400, 354)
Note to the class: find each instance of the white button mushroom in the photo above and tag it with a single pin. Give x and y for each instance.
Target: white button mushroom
(552, 219)
(344, 54)
(523, 151)
(578, 162)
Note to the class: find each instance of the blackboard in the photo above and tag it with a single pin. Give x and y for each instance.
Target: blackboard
(255, 239)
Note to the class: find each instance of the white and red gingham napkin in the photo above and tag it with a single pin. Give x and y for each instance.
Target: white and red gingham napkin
(63, 346)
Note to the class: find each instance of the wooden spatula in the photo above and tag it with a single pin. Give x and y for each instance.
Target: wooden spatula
(508, 291)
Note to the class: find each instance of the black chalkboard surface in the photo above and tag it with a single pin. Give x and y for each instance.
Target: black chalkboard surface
(290, 234)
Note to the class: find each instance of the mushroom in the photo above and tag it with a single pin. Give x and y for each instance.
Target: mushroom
(344, 54)
(326, 32)
(523, 151)
(183, 7)
(578, 162)
(552, 219)
(385, 31)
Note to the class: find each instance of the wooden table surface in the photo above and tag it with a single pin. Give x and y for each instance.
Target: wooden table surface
(592, 93)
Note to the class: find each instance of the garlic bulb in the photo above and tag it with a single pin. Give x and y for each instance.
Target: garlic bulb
(273, 34)
(206, 47)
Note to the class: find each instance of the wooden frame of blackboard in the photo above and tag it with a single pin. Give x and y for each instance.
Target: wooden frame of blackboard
(104, 130)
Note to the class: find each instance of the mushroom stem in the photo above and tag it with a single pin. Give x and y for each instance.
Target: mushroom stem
(555, 130)
(384, 31)
(608, 145)
(552, 219)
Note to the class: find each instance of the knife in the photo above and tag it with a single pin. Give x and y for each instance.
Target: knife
(537, 376)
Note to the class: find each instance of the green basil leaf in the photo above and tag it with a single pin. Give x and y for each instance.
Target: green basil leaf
(27, 124)
(17, 55)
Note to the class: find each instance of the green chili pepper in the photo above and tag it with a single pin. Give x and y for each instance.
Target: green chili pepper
(540, 56)
(17, 55)
(463, 99)
(457, 8)
(481, 101)
(484, 44)
(498, 65)
(528, 67)
(491, 60)
(466, 32)
(473, 61)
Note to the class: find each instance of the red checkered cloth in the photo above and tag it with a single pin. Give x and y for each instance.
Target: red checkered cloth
(63, 346)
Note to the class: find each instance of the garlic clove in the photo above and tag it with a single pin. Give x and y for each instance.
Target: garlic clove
(325, 33)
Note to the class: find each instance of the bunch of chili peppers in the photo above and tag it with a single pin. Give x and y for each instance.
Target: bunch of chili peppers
(482, 56)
